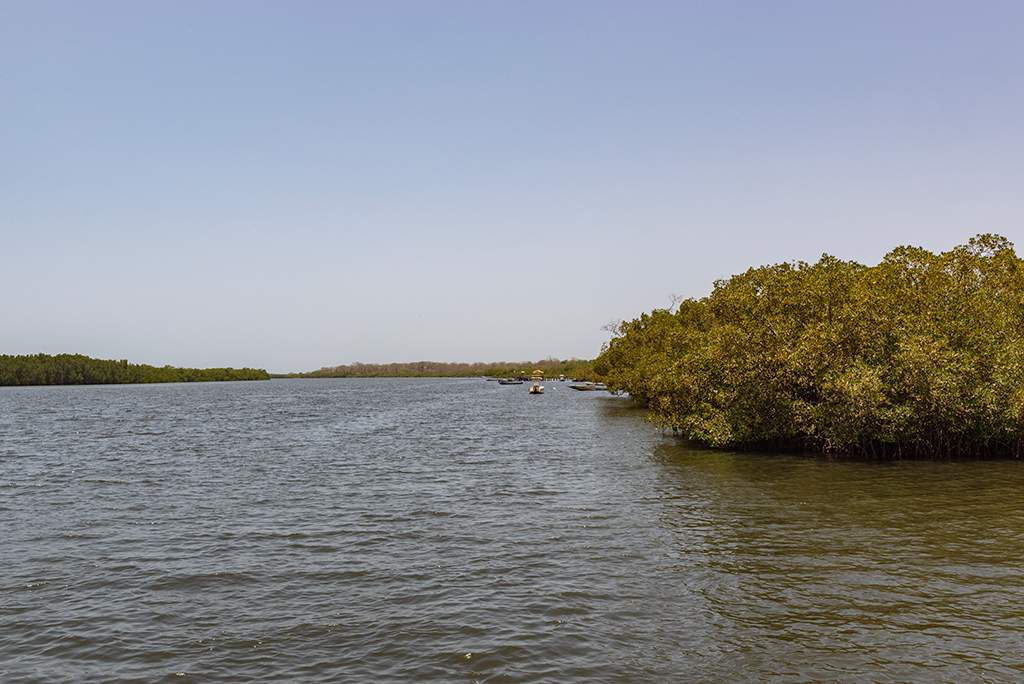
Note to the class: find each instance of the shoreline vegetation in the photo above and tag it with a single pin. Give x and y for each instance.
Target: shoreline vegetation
(76, 369)
(921, 356)
(574, 368)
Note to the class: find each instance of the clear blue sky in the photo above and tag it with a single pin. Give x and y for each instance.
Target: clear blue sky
(289, 185)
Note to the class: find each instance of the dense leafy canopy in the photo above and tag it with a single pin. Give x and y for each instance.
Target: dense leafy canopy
(75, 369)
(921, 355)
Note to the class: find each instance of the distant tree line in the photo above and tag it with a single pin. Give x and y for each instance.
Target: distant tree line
(919, 356)
(422, 369)
(75, 369)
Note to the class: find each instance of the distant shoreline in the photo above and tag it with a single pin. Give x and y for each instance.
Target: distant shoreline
(575, 368)
(76, 369)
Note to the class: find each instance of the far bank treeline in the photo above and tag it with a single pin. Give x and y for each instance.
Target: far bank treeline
(572, 368)
(75, 369)
(919, 356)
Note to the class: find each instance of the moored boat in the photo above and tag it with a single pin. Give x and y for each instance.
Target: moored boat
(589, 386)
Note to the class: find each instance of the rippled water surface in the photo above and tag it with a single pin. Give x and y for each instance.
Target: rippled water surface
(456, 530)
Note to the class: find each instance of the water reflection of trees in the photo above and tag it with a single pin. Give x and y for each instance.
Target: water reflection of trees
(841, 567)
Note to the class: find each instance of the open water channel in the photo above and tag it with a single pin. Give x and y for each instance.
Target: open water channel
(454, 530)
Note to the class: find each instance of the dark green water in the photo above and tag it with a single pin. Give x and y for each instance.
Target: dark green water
(460, 531)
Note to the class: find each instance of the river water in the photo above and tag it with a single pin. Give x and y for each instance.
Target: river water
(455, 530)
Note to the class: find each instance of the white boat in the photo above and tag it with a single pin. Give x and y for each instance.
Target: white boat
(536, 389)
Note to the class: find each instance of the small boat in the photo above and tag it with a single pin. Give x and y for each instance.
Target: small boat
(536, 389)
(589, 386)
(510, 382)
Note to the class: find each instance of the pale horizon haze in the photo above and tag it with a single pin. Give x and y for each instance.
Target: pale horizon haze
(291, 185)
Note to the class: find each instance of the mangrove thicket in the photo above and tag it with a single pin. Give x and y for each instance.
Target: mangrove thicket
(921, 355)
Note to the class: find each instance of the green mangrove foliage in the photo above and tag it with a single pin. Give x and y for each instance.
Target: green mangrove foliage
(75, 369)
(919, 356)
